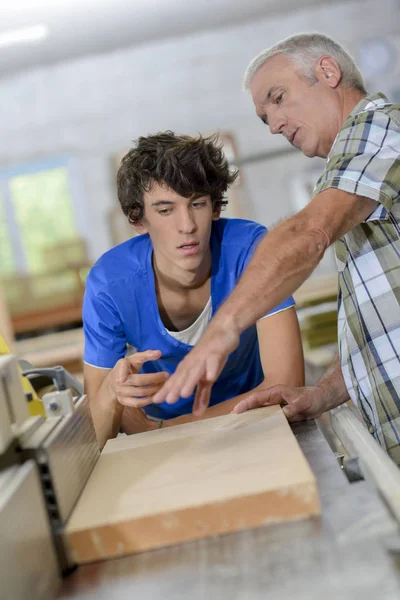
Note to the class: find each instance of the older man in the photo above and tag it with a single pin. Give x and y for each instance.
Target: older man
(308, 89)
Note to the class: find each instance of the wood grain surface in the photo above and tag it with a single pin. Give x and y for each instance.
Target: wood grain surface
(190, 481)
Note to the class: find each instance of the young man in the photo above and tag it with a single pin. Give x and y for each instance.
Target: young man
(158, 291)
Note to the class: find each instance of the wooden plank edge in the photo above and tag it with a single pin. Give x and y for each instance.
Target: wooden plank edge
(161, 530)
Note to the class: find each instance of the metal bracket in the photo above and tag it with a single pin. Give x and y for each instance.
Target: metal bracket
(58, 404)
(60, 377)
(377, 466)
(352, 468)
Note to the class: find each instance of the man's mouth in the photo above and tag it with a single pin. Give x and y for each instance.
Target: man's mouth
(189, 248)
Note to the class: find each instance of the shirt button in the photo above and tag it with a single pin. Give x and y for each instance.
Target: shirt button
(176, 344)
(371, 429)
(164, 332)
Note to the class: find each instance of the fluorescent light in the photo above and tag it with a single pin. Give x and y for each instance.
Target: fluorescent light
(23, 36)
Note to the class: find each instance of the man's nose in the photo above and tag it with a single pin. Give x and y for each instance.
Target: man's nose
(187, 223)
(276, 124)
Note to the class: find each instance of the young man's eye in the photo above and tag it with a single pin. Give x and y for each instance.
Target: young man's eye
(164, 211)
(278, 99)
(198, 204)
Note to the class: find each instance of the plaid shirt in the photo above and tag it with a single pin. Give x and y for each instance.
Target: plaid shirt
(365, 160)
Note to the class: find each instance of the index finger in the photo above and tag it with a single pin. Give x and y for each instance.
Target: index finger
(268, 397)
(181, 384)
(140, 379)
(139, 358)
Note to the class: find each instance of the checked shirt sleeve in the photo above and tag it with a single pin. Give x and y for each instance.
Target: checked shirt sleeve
(365, 160)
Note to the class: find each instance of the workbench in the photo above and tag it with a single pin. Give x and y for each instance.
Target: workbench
(347, 554)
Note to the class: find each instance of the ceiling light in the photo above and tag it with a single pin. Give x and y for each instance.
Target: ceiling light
(23, 36)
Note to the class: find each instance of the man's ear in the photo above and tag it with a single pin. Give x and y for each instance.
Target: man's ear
(140, 227)
(328, 71)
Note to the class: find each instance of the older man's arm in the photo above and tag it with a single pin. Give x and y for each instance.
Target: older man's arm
(283, 261)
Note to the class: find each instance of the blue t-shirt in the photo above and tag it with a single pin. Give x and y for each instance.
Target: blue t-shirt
(120, 308)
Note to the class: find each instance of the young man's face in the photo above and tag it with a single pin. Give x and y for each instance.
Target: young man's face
(179, 228)
(306, 114)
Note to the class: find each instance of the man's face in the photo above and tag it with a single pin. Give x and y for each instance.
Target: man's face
(306, 114)
(179, 228)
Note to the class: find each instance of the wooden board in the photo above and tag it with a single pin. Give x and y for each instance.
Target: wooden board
(317, 289)
(190, 481)
(63, 348)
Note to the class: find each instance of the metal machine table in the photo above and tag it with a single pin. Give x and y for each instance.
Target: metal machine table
(343, 555)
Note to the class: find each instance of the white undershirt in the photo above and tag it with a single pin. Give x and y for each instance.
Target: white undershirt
(192, 334)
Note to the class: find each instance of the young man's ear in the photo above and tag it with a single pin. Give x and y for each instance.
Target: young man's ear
(140, 227)
(216, 213)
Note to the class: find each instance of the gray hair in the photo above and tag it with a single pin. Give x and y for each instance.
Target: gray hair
(304, 50)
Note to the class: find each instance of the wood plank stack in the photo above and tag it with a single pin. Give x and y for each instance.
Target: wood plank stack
(316, 303)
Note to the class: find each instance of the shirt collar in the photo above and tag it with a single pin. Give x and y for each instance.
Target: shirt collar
(369, 102)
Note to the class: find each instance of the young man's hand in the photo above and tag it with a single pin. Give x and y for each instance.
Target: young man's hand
(131, 388)
(299, 403)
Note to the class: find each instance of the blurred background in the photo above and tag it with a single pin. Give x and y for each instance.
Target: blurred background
(79, 80)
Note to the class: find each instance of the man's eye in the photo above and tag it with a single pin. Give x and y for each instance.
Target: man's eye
(198, 204)
(164, 211)
(278, 99)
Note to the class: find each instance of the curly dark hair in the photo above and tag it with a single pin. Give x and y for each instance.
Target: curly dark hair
(187, 165)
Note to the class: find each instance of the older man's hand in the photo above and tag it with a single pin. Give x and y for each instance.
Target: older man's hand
(200, 368)
(298, 404)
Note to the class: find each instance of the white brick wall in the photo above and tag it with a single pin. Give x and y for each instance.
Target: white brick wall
(93, 107)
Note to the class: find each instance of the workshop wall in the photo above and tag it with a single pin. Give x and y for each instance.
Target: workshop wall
(93, 107)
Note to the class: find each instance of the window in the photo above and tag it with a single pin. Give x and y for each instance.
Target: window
(7, 263)
(38, 208)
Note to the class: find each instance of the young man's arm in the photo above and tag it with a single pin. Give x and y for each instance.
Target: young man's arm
(281, 355)
(106, 413)
(116, 395)
(281, 349)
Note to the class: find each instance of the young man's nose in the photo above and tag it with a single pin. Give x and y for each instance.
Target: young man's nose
(187, 223)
